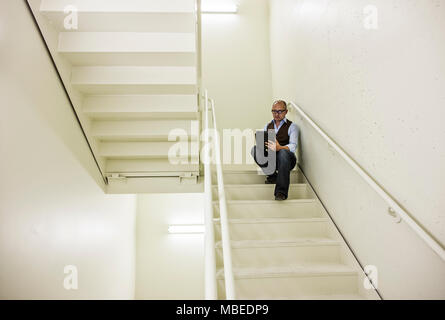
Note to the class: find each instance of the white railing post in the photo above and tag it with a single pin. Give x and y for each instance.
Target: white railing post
(393, 206)
(209, 253)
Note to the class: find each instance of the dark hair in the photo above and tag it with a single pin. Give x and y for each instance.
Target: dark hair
(282, 102)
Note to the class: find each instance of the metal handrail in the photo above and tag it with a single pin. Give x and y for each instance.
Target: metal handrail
(209, 242)
(225, 238)
(198, 29)
(394, 208)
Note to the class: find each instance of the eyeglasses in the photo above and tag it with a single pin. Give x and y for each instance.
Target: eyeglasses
(278, 111)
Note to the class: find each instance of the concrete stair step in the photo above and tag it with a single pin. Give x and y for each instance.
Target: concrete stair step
(278, 243)
(303, 270)
(181, 22)
(108, 107)
(293, 282)
(253, 177)
(282, 252)
(134, 80)
(126, 42)
(140, 114)
(171, 59)
(274, 228)
(262, 192)
(133, 75)
(131, 89)
(152, 130)
(147, 150)
(248, 209)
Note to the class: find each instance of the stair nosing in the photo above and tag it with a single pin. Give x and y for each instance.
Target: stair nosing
(252, 273)
(259, 185)
(303, 242)
(272, 220)
(268, 201)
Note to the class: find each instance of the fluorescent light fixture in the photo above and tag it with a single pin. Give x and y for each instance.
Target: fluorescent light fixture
(219, 8)
(184, 229)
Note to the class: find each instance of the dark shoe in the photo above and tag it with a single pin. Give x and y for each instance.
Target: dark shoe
(280, 197)
(271, 179)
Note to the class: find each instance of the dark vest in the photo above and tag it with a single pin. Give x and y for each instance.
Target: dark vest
(283, 133)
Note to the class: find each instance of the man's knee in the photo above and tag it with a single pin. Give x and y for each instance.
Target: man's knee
(284, 154)
(284, 158)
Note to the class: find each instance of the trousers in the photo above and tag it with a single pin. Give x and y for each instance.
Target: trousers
(285, 162)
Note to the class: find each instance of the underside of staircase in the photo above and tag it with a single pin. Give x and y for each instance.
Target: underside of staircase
(131, 71)
(284, 249)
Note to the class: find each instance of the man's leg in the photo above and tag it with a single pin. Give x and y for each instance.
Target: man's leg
(286, 161)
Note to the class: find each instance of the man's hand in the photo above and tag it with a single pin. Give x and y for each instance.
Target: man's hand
(274, 146)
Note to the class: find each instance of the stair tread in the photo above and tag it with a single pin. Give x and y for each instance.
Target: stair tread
(143, 149)
(291, 271)
(272, 220)
(133, 75)
(135, 88)
(263, 185)
(139, 128)
(120, 42)
(139, 110)
(280, 243)
(262, 202)
(247, 168)
(141, 107)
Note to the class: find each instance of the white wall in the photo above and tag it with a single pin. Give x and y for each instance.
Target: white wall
(169, 266)
(236, 64)
(379, 94)
(53, 211)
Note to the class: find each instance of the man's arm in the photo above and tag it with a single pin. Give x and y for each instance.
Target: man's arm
(280, 147)
(293, 138)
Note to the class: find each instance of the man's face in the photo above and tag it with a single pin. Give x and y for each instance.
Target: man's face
(278, 112)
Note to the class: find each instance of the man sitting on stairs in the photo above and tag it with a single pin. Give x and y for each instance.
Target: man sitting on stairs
(285, 146)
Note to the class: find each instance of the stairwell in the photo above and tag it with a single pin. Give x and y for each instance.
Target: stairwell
(132, 72)
(284, 249)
